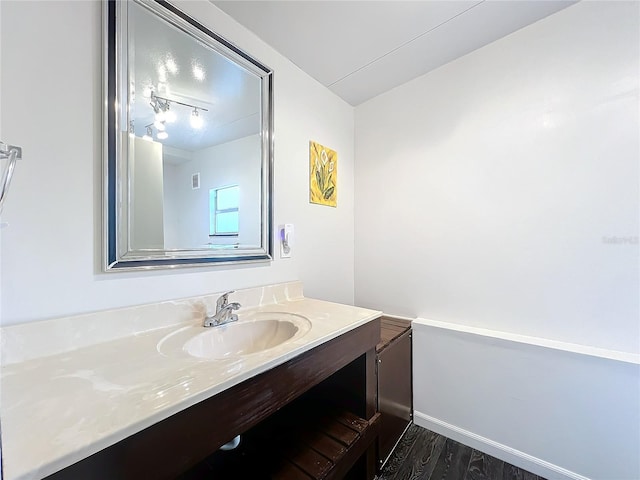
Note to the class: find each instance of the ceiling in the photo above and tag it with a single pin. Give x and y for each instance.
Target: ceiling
(167, 61)
(360, 49)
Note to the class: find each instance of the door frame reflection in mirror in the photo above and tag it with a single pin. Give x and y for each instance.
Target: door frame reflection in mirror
(120, 252)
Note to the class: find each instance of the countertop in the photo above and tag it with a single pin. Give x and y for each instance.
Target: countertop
(63, 407)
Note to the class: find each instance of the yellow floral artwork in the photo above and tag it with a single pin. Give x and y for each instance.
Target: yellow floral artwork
(323, 175)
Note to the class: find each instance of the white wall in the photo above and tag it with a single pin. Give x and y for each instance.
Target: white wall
(50, 71)
(233, 163)
(487, 189)
(501, 191)
(171, 210)
(147, 195)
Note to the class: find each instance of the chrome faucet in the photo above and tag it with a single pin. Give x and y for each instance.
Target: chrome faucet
(224, 312)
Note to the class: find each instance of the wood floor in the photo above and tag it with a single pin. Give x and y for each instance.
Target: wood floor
(425, 455)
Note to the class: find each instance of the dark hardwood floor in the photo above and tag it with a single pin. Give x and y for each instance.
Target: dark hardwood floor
(425, 455)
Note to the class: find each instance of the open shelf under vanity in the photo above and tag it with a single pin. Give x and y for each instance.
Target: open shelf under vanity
(311, 439)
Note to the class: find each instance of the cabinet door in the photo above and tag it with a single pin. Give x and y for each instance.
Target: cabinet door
(394, 392)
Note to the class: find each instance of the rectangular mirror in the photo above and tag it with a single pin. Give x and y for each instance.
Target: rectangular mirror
(188, 143)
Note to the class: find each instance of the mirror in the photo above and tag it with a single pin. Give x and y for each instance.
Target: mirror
(188, 143)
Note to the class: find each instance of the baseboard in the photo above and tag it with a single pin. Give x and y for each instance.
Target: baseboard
(498, 450)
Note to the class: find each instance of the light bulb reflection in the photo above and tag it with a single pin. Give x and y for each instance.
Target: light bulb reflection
(149, 135)
(162, 135)
(196, 120)
(169, 115)
(172, 66)
(160, 116)
(162, 73)
(198, 72)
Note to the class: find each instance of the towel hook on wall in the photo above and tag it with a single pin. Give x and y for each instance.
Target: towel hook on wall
(12, 153)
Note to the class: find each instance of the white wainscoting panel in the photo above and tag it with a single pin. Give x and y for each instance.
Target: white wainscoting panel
(562, 413)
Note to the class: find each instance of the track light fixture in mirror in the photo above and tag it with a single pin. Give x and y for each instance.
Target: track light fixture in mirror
(205, 106)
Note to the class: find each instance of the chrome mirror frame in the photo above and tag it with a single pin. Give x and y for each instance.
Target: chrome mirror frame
(116, 252)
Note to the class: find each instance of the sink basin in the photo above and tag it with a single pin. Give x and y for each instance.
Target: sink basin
(256, 333)
(240, 338)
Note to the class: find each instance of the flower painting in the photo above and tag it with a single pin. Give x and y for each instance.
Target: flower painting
(323, 175)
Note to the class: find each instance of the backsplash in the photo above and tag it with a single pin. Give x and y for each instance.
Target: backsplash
(31, 340)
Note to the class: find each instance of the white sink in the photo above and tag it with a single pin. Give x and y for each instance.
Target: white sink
(256, 333)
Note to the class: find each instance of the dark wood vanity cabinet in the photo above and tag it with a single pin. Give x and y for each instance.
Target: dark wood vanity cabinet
(394, 370)
(313, 417)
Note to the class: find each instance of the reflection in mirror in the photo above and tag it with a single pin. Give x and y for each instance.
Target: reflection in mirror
(189, 150)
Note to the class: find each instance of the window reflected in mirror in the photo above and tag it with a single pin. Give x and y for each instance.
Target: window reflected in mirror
(224, 212)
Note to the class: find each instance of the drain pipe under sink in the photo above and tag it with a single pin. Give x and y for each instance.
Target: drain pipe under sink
(232, 444)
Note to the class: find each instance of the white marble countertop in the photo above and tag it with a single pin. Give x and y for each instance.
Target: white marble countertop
(60, 408)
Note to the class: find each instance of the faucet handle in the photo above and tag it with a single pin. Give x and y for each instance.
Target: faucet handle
(223, 300)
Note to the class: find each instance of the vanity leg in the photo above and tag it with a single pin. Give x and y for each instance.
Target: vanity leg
(371, 381)
(371, 456)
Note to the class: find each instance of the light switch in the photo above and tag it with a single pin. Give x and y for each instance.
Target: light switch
(286, 240)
